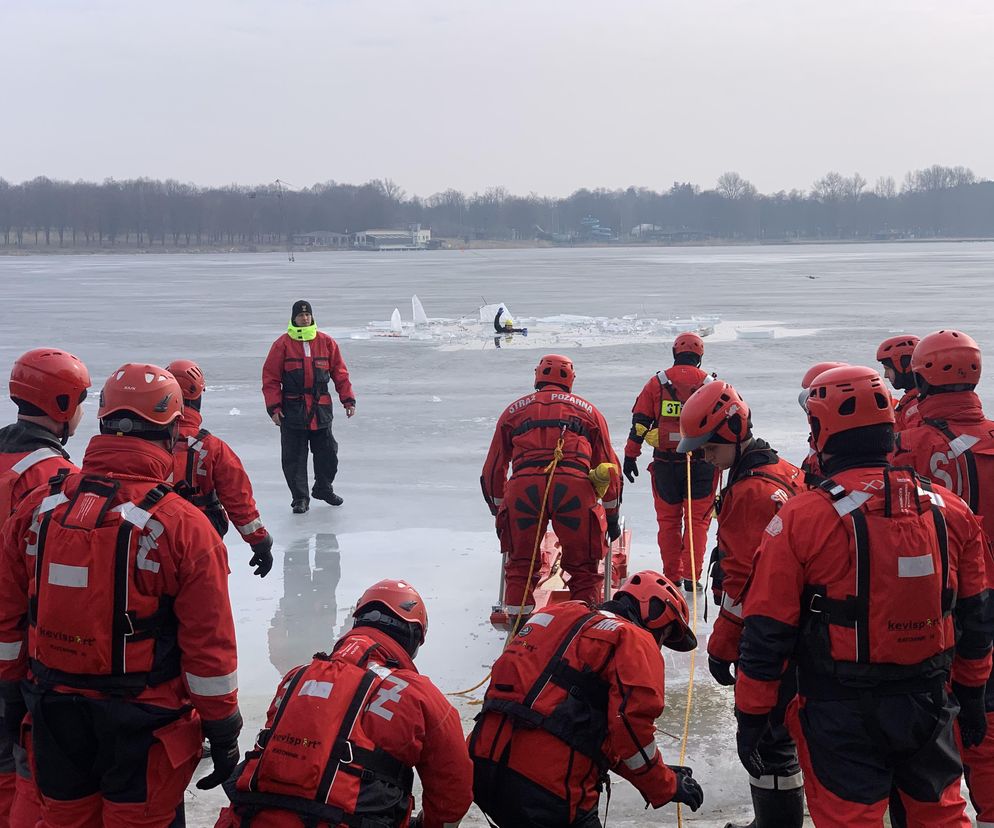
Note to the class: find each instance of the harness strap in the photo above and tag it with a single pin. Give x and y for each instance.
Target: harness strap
(343, 747)
(572, 424)
(541, 464)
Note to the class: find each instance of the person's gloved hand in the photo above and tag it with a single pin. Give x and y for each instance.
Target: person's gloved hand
(276, 415)
(631, 468)
(688, 792)
(14, 709)
(223, 736)
(721, 670)
(262, 556)
(613, 527)
(972, 714)
(750, 731)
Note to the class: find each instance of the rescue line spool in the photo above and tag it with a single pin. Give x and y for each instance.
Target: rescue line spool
(693, 653)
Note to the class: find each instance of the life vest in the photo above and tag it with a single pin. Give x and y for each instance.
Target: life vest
(10, 476)
(95, 550)
(316, 759)
(967, 467)
(675, 391)
(190, 454)
(538, 684)
(889, 618)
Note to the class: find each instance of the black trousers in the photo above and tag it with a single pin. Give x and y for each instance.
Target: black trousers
(294, 444)
(510, 800)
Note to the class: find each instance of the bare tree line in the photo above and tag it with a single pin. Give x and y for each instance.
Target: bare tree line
(936, 201)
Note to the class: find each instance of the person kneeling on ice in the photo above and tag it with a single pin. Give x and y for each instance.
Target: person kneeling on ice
(549, 423)
(576, 694)
(717, 422)
(345, 731)
(874, 584)
(214, 477)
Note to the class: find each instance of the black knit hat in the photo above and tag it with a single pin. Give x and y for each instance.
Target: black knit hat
(301, 306)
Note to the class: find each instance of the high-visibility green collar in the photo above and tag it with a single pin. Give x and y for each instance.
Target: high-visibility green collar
(305, 334)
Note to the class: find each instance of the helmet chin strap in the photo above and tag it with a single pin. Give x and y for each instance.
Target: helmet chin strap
(64, 437)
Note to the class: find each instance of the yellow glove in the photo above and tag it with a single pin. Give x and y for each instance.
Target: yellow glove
(652, 437)
(600, 477)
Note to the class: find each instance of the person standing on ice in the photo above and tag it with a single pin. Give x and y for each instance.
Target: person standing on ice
(345, 732)
(577, 693)
(215, 479)
(531, 433)
(873, 583)
(656, 420)
(894, 353)
(954, 446)
(295, 379)
(48, 387)
(115, 620)
(717, 422)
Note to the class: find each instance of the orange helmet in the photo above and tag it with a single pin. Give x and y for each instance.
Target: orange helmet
(148, 391)
(844, 398)
(947, 358)
(809, 375)
(189, 376)
(688, 343)
(52, 381)
(895, 352)
(555, 369)
(661, 606)
(715, 413)
(399, 598)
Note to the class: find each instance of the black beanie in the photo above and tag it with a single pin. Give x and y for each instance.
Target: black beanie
(870, 442)
(301, 306)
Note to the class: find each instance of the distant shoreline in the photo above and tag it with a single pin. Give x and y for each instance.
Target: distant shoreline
(457, 245)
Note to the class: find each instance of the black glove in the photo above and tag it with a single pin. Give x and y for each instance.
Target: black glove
(223, 736)
(688, 792)
(631, 468)
(14, 709)
(262, 556)
(721, 670)
(750, 731)
(972, 714)
(613, 527)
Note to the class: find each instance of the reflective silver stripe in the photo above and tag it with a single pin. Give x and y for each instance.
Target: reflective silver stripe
(51, 502)
(212, 685)
(133, 514)
(676, 436)
(307, 348)
(985, 824)
(730, 606)
(542, 619)
(962, 444)
(778, 783)
(68, 576)
(610, 504)
(640, 759)
(36, 456)
(249, 528)
(9, 650)
(915, 566)
(935, 497)
(851, 502)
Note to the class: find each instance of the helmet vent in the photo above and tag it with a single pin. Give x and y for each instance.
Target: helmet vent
(62, 401)
(848, 406)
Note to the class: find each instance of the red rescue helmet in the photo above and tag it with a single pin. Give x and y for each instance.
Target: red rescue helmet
(52, 381)
(399, 598)
(895, 352)
(844, 398)
(715, 413)
(555, 369)
(189, 376)
(809, 375)
(148, 391)
(688, 343)
(947, 358)
(661, 606)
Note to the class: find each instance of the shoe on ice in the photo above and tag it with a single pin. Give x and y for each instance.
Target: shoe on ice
(690, 586)
(328, 496)
(300, 506)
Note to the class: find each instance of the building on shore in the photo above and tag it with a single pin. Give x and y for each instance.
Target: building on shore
(323, 238)
(413, 238)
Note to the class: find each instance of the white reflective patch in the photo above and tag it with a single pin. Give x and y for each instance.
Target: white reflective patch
(133, 515)
(36, 456)
(608, 624)
(542, 619)
(380, 670)
(637, 760)
(775, 526)
(917, 566)
(68, 576)
(307, 348)
(935, 497)
(675, 436)
(146, 544)
(851, 502)
(212, 685)
(51, 502)
(610, 504)
(387, 694)
(777, 783)
(730, 606)
(962, 444)
(9, 651)
(249, 528)
(318, 689)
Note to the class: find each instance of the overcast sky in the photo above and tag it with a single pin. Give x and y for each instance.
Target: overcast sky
(535, 95)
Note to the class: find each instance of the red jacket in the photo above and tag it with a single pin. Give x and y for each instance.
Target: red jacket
(408, 718)
(29, 457)
(906, 413)
(627, 663)
(295, 380)
(211, 467)
(180, 559)
(658, 405)
(758, 487)
(865, 612)
(526, 436)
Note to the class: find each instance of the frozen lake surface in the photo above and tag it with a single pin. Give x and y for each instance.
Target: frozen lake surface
(411, 458)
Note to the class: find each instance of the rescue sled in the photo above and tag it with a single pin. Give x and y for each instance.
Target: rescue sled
(552, 580)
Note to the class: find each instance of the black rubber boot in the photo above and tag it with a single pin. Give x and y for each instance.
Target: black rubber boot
(300, 506)
(775, 809)
(328, 496)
